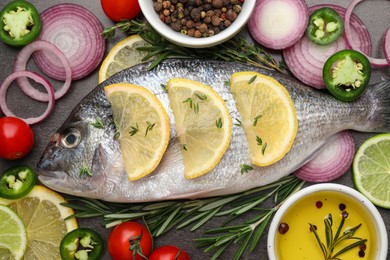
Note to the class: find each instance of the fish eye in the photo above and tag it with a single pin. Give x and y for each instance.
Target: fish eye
(71, 138)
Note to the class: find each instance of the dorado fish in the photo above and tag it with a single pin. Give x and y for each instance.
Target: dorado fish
(79, 145)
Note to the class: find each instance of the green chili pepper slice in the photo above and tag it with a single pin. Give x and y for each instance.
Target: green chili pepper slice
(82, 244)
(346, 74)
(17, 182)
(20, 23)
(325, 26)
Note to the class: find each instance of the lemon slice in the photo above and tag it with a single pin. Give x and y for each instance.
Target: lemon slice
(13, 235)
(371, 170)
(268, 116)
(122, 56)
(143, 127)
(43, 217)
(203, 125)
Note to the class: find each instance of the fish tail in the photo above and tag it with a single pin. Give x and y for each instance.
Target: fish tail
(377, 103)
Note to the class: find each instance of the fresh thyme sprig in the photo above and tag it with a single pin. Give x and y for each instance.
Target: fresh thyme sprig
(236, 49)
(333, 240)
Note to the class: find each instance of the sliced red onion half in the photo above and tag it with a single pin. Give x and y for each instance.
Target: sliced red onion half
(386, 45)
(20, 64)
(37, 78)
(306, 59)
(278, 24)
(77, 33)
(332, 162)
(353, 44)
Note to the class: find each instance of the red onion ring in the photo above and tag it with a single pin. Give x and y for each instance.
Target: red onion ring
(270, 17)
(37, 78)
(332, 162)
(77, 33)
(386, 45)
(305, 59)
(350, 41)
(21, 63)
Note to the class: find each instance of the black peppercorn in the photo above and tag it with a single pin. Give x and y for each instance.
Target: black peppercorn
(283, 228)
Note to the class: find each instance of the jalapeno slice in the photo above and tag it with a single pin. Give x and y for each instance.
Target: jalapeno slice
(346, 74)
(82, 244)
(325, 26)
(20, 23)
(17, 182)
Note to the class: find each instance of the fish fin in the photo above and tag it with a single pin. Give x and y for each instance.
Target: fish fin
(377, 97)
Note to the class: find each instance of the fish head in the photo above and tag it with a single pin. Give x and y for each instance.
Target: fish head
(81, 157)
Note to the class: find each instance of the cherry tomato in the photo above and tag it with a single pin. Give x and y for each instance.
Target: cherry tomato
(168, 253)
(130, 240)
(16, 138)
(118, 10)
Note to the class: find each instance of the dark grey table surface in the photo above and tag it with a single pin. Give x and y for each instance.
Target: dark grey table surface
(375, 14)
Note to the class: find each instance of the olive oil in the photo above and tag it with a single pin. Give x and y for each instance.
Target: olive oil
(299, 242)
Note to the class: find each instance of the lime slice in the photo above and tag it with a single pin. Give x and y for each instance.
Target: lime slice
(371, 170)
(13, 234)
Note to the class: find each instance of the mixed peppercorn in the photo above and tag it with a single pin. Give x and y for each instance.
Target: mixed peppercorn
(198, 18)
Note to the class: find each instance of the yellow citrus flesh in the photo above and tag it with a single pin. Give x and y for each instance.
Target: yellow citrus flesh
(268, 116)
(13, 235)
(43, 217)
(203, 125)
(143, 127)
(122, 56)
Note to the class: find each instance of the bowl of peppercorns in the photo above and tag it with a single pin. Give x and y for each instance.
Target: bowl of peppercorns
(327, 221)
(197, 23)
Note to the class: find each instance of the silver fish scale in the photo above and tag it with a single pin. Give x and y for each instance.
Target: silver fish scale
(320, 116)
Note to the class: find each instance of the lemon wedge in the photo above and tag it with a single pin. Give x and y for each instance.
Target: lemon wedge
(122, 56)
(203, 125)
(268, 116)
(143, 127)
(43, 217)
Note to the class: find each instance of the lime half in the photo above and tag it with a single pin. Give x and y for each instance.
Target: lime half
(13, 236)
(371, 169)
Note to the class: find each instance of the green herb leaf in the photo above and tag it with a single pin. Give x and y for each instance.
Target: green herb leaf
(263, 148)
(149, 127)
(196, 108)
(189, 101)
(98, 123)
(201, 96)
(256, 119)
(219, 123)
(85, 171)
(184, 147)
(259, 140)
(164, 86)
(245, 168)
(117, 135)
(134, 130)
(239, 123)
(252, 79)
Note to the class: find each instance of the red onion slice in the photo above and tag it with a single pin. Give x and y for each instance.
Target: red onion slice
(77, 33)
(278, 24)
(332, 162)
(21, 63)
(353, 44)
(37, 78)
(386, 45)
(305, 59)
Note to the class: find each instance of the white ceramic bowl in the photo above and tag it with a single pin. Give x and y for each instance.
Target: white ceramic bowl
(374, 216)
(184, 40)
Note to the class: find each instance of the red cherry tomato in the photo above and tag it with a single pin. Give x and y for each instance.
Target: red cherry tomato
(168, 253)
(16, 138)
(129, 239)
(118, 10)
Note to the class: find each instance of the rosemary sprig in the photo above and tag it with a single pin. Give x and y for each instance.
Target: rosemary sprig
(334, 240)
(164, 216)
(236, 49)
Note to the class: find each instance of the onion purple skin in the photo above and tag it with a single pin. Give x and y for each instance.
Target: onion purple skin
(77, 27)
(332, 162)
(281, 42)
(375, 62)
(386, 45)
(307, 67)
(20, 64)
(37, 78)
